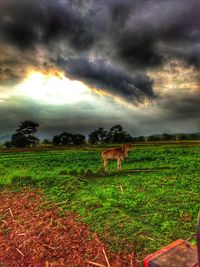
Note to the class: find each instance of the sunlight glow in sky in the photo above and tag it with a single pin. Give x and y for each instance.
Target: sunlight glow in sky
(53, 89)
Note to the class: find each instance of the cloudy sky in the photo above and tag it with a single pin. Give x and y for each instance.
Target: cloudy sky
(78, 65)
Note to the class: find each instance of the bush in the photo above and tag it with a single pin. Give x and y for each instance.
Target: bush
(8, 144)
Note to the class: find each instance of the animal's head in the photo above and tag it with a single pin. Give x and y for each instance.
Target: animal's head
(127, 148)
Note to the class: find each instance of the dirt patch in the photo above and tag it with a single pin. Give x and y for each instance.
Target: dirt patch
(36, 234)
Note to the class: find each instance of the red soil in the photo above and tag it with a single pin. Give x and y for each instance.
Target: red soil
(34, 234)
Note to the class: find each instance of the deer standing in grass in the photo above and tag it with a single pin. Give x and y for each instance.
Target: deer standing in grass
(119, 153)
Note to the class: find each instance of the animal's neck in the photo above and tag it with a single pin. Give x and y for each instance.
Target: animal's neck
(124, 149)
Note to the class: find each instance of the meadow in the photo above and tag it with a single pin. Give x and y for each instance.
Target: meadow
(153, 201)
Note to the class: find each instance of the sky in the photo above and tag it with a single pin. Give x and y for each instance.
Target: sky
(78, 65)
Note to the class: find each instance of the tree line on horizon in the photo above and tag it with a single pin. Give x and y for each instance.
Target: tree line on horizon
(25, 137)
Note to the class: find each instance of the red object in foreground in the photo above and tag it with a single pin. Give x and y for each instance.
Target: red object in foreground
(177, 254)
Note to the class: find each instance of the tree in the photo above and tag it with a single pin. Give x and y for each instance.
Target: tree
(116, 128)
(167, 137)
(141, 138)
(118, 135)
(18, 140)
(78, 139)
(24, 136)
(154, 138)
(32, 141)
(28, 128)
(135, 139)
(98, 136)
(65, 138)
(8, 144)
(115, 135)
(68, 138)
(181, 137)
(56, 140)
(93, 137)
(193, 136)
(46, 142)
(102, 134)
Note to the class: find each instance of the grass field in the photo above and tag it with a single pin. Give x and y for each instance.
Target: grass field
(153, 201)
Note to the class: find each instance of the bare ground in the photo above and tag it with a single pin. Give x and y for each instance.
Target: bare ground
(37, 233)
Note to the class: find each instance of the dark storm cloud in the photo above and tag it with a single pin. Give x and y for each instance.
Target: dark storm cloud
(28, 23)
(184, 106)
(20, 22)
(134, 28)
(155, 29)
(132, 35)
(101, 74)
(193, 57)
(140, 53)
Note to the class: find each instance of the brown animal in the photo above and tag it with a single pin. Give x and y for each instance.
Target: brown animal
(119, 153)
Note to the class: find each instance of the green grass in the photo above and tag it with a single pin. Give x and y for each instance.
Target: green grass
(152, 202)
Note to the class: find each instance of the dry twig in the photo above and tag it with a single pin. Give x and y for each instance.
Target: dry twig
(188, 239)
(96, 264)
(62, 202)
(20, 252)
(106, 257)
(11, 212)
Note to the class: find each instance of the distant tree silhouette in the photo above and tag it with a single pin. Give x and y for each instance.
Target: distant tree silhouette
(154, 138)
(65, 138)
(115, 135)
(56, 140)
(167, 137)
(118, 135)
(68, 138)
(8, 144)
(141, 138)
(194, 136)
(46, 142)
(98, 136)
(27, 128)
(102, 135)
(78, 139)
(181, 137)
(24, 136)
(93, 137)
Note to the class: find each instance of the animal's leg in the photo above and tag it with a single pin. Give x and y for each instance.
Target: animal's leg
(118, 164)
(105, 165)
